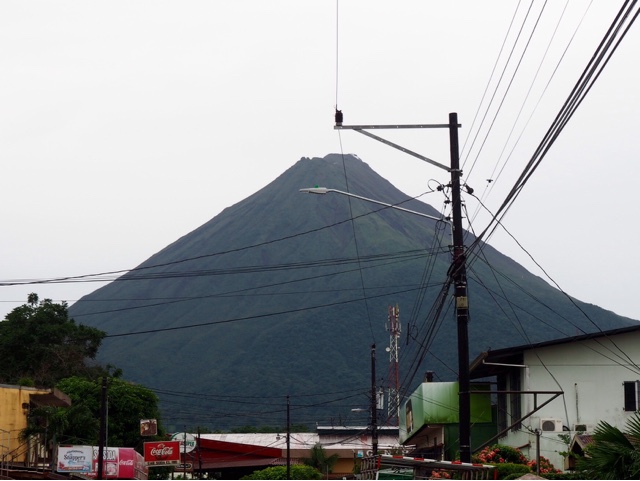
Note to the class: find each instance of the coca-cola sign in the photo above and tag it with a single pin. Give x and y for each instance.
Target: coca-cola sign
(162, 453)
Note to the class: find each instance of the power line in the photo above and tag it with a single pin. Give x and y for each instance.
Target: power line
(605, 50)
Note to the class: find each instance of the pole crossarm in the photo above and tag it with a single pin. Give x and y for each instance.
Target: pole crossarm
(362, 129)
(402, 149)
(325, 190)
(394, 126)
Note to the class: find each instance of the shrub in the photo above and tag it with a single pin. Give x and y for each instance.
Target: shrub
(298, 471)
(545, 466)
(511, 470)
(499, 453)
(510, 461)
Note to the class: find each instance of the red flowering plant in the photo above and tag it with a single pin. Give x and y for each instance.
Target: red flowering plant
(545, 466)
(499, 453)
(439, 474)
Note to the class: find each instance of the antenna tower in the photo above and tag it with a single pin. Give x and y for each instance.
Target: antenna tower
(393, 326)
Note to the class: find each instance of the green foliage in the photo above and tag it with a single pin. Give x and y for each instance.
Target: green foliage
(319, 459)
(80, 423)
(613, 454)
(40, 345)
(128, 403)
(298, 471)
(26, 381)
(566, 475)
(511, 470)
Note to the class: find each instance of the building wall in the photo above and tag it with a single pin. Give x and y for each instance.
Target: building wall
(591, 373)
(13, 417)
(437, 403)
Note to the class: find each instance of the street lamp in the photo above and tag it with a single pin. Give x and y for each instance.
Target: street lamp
(325, 190)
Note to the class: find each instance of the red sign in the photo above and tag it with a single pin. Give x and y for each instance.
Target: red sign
(119, 463)
(162, 453)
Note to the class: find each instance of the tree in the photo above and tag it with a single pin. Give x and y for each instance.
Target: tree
(319, 459)
(613, 454)
(127, 403)
(298, 471)
(40, 345)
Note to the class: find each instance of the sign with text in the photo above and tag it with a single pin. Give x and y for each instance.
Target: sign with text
(74, 459)
(119, 463)
(162, 453)
(187, 441)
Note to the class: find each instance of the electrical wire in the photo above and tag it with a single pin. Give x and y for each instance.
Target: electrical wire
(493, 177)
(495, 92)
(591, 73)
(504, 97)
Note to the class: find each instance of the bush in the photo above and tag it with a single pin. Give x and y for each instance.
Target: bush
(510, 463)
(499, 453)
(298, 471)
(545, 466)
(563, 476)
(511, 470)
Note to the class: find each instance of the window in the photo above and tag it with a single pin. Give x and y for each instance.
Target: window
(631, 395)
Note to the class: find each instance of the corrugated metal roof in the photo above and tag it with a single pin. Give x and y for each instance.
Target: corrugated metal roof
(304, 441)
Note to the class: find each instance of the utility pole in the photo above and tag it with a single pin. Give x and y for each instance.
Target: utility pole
(103, 428)
(459, 276)
(288, 438)
(457, 272)
(374, 403)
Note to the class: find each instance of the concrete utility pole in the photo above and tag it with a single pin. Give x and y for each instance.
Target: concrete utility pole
(103, 428)
(374, 403)
(457, 272)
(459, 276)
(288, 437)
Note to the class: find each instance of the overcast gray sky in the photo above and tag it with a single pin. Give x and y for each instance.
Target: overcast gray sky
(126, 124)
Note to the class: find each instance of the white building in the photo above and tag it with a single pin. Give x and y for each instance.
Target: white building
(562, 387)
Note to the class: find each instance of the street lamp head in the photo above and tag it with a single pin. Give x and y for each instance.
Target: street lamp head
(315, 190)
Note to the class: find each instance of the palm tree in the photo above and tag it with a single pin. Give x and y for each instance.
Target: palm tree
(613, 454)
(320, 460)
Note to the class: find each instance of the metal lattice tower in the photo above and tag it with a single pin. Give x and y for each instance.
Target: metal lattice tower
(393, 326)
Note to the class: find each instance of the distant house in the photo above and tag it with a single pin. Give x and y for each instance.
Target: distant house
(16, 405)
(550, 391)
(232, 455)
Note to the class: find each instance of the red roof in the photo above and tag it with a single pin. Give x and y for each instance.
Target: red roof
(222, 454)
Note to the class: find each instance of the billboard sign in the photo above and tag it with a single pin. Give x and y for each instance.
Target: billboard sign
(162, 453)
(74, 459)
(185, 439)
(119, 463)
(148, 427)
(110, 462)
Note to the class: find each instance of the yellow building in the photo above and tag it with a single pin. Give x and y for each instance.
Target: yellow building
(16, 402)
